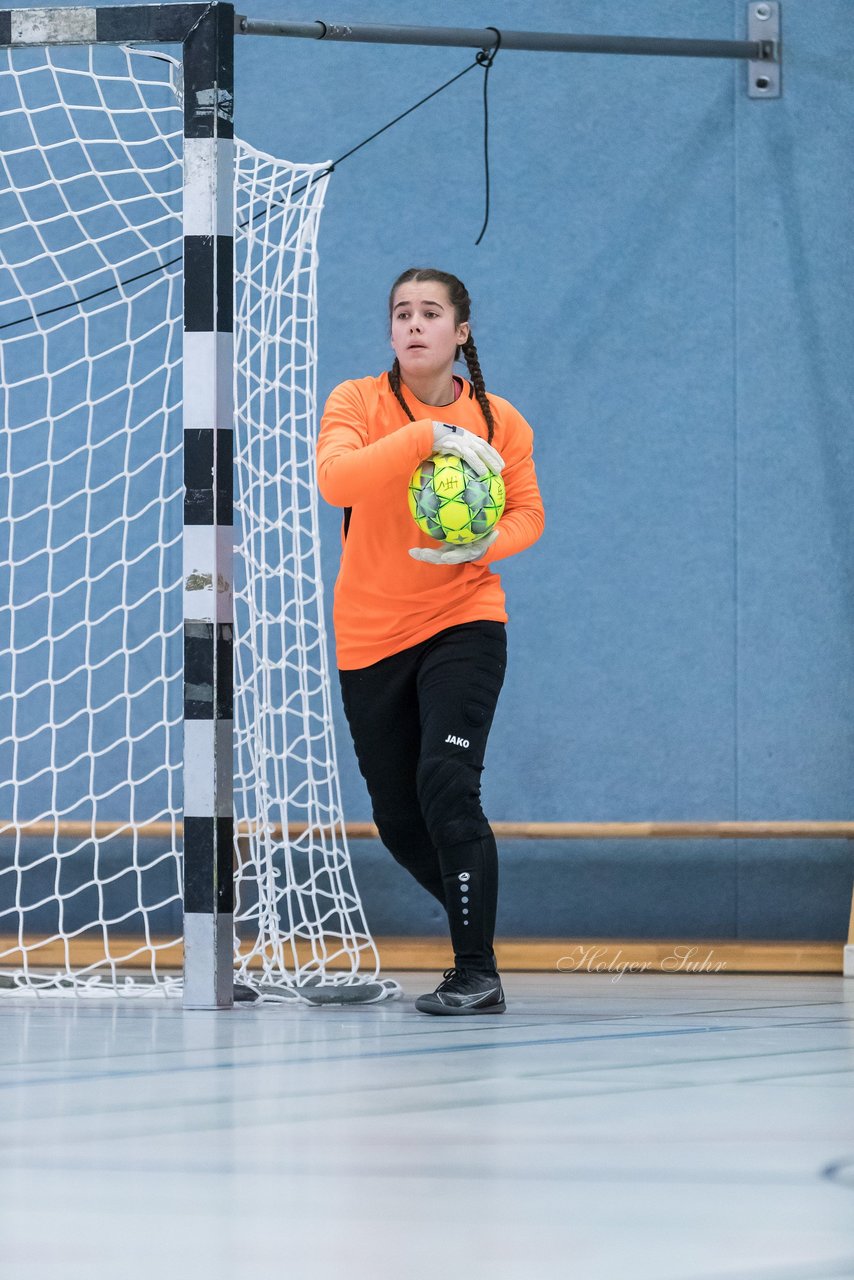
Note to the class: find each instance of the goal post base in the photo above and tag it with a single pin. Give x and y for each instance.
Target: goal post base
(208, 960)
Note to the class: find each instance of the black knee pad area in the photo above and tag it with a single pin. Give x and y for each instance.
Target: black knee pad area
(449, 792)
(406, 839)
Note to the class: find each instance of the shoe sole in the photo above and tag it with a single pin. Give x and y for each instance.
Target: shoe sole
(444, 1010)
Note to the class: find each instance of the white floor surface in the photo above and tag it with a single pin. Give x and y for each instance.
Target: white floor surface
(651, 1127)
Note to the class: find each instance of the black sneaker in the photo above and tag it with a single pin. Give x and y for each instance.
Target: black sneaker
(464, 991)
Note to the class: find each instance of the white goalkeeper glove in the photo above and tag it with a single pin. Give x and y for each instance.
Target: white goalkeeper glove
(455, 555)
(480, 456)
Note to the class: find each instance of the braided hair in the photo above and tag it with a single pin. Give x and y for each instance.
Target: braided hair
(461, 302)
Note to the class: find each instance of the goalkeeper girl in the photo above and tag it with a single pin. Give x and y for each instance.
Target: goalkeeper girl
(420, 632)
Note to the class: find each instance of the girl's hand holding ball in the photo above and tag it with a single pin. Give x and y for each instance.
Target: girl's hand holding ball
(480, 455)
(455, 555)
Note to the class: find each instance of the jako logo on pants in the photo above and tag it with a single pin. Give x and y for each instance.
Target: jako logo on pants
(458, 742)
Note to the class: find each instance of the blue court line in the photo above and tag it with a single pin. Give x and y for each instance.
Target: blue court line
(315, 1059)
(454, 1048)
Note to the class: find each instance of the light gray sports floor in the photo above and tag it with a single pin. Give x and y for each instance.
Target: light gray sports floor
(657, 1127)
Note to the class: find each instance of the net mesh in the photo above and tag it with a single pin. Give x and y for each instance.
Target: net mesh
(90, 551)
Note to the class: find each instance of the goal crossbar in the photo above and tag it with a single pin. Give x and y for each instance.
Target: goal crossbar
(103, 24)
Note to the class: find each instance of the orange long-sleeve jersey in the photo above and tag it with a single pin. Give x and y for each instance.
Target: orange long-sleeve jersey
(386, 601)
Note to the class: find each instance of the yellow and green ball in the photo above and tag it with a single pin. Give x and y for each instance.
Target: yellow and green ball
(450, 502)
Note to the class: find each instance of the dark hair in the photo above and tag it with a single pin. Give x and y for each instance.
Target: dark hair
(461, 302)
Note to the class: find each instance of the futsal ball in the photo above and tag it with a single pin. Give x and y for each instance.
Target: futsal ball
(450, 502)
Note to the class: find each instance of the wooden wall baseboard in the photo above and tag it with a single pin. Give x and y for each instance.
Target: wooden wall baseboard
(753, 829)
(629, 955)
(536, 955)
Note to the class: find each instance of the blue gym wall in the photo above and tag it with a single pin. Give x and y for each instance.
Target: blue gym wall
(664, 290)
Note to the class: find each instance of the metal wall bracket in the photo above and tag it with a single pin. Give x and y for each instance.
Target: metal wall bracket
(764, 77)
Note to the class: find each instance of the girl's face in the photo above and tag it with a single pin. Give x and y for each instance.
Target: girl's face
(424, 331)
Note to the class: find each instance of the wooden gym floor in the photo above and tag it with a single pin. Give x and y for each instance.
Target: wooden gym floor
(652, 1126)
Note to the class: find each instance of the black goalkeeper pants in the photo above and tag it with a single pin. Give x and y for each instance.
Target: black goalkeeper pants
(419, 721)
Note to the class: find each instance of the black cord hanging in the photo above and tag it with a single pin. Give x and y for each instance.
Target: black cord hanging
(330, 168)
(486, 60)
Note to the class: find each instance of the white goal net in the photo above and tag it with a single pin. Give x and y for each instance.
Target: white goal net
(90, 549)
